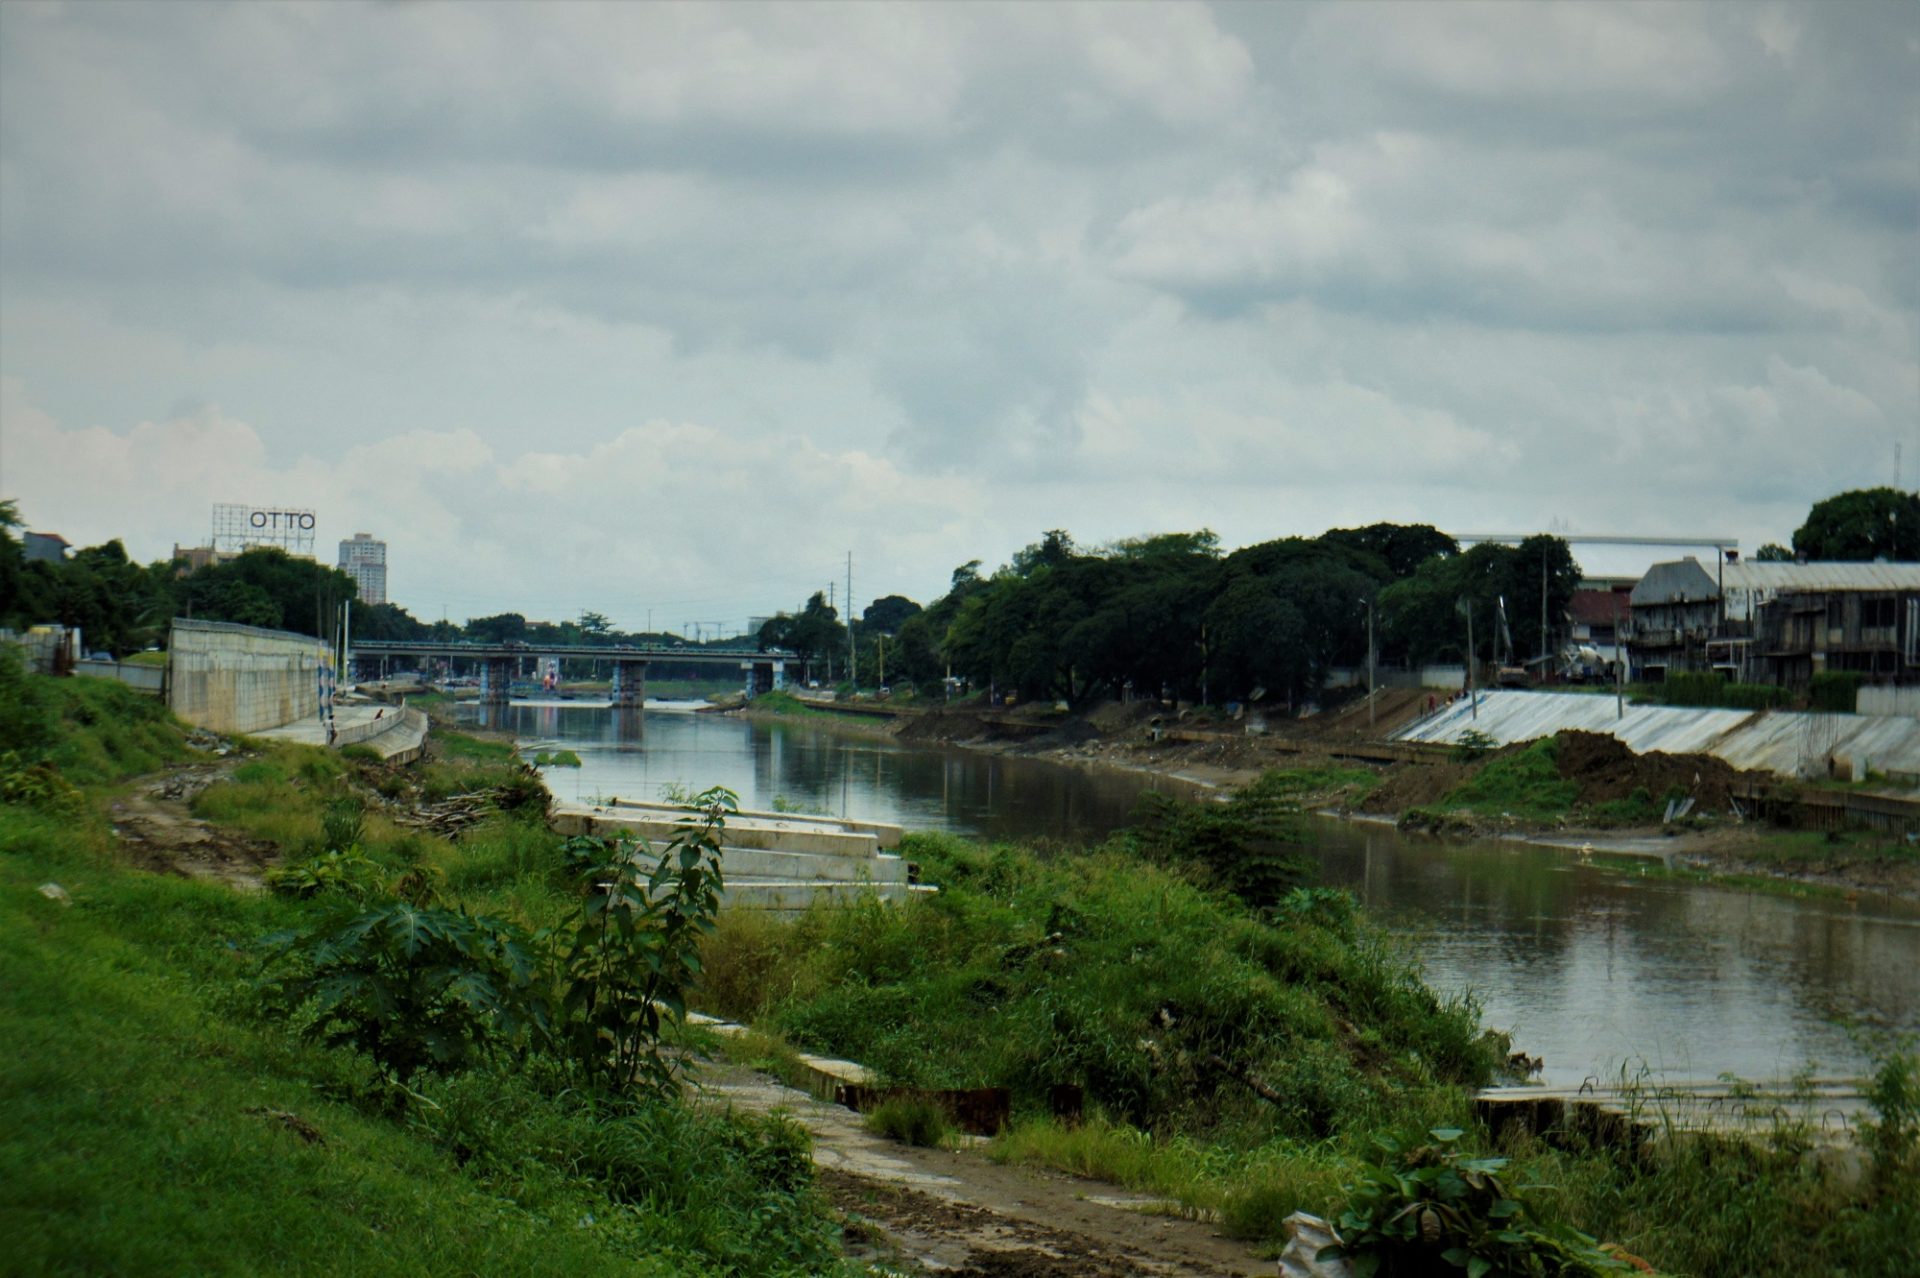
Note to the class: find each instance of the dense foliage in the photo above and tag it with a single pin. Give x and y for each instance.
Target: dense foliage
(1863, 524)
(1174, 1005)
(1174, 615)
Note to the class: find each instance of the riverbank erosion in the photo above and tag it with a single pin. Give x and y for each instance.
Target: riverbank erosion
(361, 1063)
(1693, 813)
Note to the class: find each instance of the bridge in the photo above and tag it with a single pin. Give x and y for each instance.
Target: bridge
(764, 670)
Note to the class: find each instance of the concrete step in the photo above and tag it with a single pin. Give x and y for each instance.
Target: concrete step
(770, 834)
(796, 895)
(759, 863)
(888, 834)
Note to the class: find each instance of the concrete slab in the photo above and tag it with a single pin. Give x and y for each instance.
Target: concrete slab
(738, 864)
(778, 834)
(888, 834)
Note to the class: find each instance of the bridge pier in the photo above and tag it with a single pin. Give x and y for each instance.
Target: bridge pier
(763, 676)
(629, 684)
(496, 680)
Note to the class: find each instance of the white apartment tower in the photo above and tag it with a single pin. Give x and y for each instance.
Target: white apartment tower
(365, 560)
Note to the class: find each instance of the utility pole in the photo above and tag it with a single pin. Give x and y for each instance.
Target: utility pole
(1473, 695)
(1543, 610)
(1619, 662)
(853, 657)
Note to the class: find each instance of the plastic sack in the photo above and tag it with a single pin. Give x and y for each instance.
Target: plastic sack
(1306, 1235)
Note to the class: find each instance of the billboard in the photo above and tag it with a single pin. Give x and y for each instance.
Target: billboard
(239, 527)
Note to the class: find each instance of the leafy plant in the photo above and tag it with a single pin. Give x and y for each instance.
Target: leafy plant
(1474, 744)
(1245, 842)
(413, 988)
(633, 945)
(344, 871)
(1431, 1209)
(342, 823)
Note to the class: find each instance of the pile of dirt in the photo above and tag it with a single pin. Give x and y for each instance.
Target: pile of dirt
(1416, 785)
(962, 725)
(1606, 770)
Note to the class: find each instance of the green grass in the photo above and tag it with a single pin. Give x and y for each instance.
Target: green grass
(145, 659)
(786, 705)
(153, 1121)
(1324, 783)
(557, 759)
(912, 1120)
(1158, 996)
(462, 745)
(1522, 783)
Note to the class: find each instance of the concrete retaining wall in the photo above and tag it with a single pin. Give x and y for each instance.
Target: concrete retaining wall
(151, 679)
(231, 678)
(1902, 702)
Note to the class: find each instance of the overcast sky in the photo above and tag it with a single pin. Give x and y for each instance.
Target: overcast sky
(637, 306)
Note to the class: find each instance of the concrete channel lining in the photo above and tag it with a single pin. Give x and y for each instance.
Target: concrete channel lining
(1788, 743)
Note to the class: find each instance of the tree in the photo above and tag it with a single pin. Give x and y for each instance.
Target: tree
(1401, 547)
(1864, 524)
(306, 595)
(595, 625)
(504, 627)
(1531, 558)
(813, 634)
(887, 615)
(1773, 553)
(1256, 638)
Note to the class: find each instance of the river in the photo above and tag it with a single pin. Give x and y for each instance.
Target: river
(1596, 969)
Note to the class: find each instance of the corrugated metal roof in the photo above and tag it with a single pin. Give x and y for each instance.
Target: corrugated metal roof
(1784, 742)
(1749, 575)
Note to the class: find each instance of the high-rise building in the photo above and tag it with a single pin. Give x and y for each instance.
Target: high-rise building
(365, 560)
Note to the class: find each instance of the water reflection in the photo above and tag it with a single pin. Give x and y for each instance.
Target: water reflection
(1590, 969)
(1596, 970)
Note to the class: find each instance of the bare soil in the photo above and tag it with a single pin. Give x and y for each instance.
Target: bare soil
(1606, 769)
(956, 1212)
(158, 831)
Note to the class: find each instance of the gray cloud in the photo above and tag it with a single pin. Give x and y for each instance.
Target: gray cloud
(1102, 266)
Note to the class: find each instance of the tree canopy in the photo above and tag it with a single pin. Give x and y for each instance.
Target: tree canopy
(1863, 524)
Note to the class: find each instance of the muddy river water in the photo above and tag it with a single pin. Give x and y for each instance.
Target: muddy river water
(1594, 967)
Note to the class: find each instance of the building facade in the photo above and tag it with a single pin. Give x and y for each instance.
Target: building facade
(1778, 622)
(364, 559)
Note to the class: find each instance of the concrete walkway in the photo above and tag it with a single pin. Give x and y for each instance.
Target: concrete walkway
(397, 734)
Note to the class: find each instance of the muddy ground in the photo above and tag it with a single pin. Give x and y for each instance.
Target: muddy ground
(157, 830)
(956, 1212)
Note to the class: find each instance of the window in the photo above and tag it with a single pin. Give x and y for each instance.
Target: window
(1836, 613)
(1878, 613)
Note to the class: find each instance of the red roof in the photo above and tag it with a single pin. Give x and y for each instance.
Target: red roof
(1597, 607)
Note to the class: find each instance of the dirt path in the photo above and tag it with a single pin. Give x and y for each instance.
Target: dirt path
(958, 1213)
(158, 831)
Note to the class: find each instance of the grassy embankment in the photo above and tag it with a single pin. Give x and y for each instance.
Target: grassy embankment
(152, 1120)
(1525, 786)
(1243, 1061)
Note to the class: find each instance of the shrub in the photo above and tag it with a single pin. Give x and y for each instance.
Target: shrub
(631, 949)
(413, 988)
(1835, 691)
(1431, 1210)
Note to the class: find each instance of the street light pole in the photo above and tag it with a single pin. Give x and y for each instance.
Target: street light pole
(1370, 707)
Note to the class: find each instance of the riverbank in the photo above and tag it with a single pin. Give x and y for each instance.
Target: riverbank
(156, 1116)
(1599, 796)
